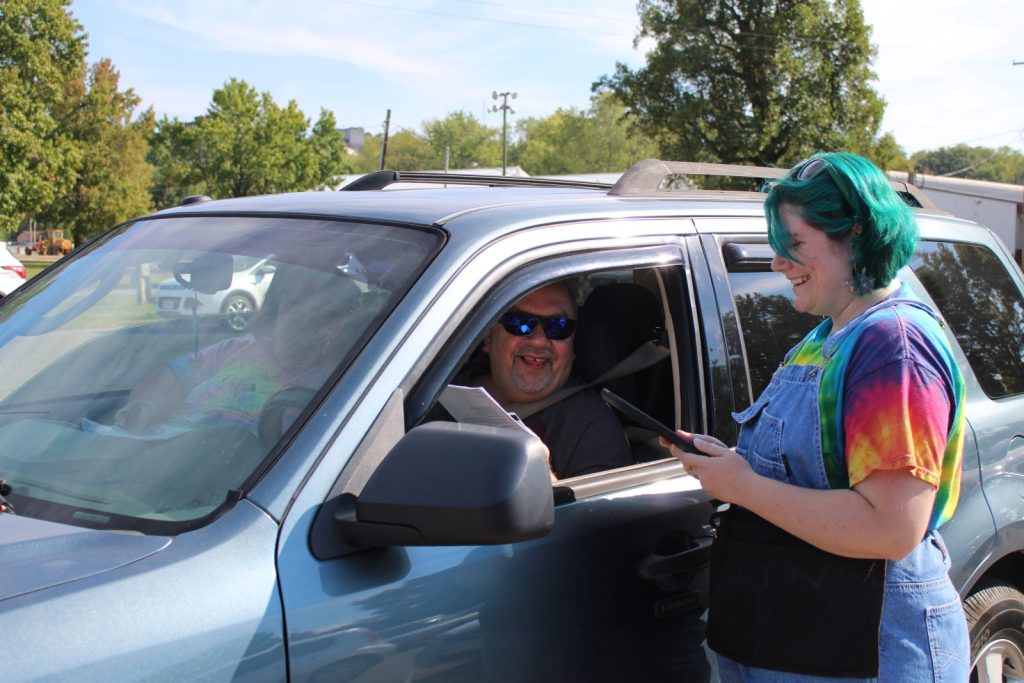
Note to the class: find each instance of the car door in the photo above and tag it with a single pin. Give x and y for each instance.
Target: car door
(766, 325)
(615, 591)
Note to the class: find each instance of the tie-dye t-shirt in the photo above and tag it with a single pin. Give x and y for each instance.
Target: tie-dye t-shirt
(891, 398)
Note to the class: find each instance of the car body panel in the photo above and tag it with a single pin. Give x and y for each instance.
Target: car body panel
(36, 554)
(205, 607)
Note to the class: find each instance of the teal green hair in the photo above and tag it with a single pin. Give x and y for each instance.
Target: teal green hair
(852, 191)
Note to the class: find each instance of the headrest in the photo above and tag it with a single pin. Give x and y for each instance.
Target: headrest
(207, 273)
(613, 322)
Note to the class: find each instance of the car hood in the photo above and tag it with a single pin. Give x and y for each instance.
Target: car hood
(35, 554)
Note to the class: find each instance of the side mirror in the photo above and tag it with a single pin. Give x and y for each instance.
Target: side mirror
(446, 483)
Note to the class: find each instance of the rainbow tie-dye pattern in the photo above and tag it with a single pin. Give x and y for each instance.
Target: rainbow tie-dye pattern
(891, 397)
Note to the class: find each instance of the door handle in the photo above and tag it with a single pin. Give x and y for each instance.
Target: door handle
(656, 566)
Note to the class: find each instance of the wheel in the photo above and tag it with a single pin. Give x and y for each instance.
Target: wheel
(272, 417)
(238, 310)
(995, 617)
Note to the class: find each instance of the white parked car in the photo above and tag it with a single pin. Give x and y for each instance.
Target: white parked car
(237, 304)
(12, 273)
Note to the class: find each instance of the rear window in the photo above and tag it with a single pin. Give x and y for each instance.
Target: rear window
(983, 307)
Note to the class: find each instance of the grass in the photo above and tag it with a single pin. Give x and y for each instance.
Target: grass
(33, 265)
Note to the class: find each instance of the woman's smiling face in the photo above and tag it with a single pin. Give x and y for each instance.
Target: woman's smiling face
(820, 279)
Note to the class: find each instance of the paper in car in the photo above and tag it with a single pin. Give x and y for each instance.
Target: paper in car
(474, 405)
(157, 433)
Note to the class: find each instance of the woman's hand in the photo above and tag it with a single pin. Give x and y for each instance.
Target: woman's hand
(722, 472)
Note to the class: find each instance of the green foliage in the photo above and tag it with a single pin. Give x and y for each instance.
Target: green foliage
(888, 155)
(246, 145)
(42, 50)
(330, 153)
(470, 143)
(407, 151)
(601, 139)
(113, 178)
(1002, 165)
(764, 82)
(170, 150)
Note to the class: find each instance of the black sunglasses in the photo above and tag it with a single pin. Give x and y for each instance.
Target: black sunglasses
(520, 324)
(815, 166)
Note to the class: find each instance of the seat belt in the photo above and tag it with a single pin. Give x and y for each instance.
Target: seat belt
(646, 355)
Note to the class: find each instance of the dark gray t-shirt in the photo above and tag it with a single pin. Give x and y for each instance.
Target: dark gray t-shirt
(582, 434)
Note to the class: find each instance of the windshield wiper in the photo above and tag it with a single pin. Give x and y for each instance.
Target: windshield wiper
(5, 490)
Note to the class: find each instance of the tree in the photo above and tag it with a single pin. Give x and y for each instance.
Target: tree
(764, 82)
(112, 179)
(246, 145)
(42, 49)
(330, 153)
(601, 139)
(889, 156)
(470, 143)
(170, 153)
(407, 151)
(1002, 165)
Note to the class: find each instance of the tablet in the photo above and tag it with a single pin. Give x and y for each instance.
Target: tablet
(630, 410)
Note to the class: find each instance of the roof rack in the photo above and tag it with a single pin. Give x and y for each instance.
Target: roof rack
(378, 180)
(647, 177)
(644, 178)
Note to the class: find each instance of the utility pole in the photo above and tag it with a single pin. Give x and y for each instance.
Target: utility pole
(384, 144)
(505, 110)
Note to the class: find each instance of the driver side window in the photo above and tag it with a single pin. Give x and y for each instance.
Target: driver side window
(620, 340)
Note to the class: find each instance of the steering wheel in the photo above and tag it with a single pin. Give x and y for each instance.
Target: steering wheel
(271, 423)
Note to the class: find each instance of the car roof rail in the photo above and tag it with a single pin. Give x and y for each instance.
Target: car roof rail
(194, 199)
(647, 177)
(378, 180)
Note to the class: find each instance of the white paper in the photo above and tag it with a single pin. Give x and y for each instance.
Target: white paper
(475, 406)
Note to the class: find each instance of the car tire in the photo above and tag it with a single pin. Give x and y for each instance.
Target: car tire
(995, 618)
(238, 310)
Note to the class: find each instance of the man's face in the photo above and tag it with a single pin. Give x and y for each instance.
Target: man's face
(525, 369)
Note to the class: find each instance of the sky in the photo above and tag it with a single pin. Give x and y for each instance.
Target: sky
(945, 67)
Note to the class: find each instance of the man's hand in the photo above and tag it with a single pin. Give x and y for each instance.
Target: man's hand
(136, 416)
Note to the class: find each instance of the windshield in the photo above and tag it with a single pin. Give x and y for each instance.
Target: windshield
(144, 383)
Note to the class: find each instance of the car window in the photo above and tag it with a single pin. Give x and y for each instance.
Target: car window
(136, 395)
(618, 311)
(983, 307)
(768, 320)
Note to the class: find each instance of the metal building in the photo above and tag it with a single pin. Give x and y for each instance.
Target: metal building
(998, 206)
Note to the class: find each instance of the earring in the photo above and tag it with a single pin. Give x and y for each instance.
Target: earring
(859, 283)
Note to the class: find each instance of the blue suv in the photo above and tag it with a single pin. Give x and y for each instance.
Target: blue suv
(304, 515)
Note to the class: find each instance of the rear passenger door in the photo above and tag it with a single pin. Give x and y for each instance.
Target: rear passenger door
(978, 291)
(981, 303)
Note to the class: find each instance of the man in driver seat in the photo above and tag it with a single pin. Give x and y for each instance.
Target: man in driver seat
(530, 351)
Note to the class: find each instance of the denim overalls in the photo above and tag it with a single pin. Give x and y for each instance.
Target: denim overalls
(923, 632)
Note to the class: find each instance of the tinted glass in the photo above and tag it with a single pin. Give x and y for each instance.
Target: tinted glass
(145, 382)
(770, 324)
(983, 307)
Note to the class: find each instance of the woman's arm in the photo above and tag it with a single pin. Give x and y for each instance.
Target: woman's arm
(884, 516)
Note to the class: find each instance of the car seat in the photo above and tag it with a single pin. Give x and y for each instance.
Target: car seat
(615, 320)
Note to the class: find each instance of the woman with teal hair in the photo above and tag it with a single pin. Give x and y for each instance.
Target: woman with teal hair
(828, 563)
